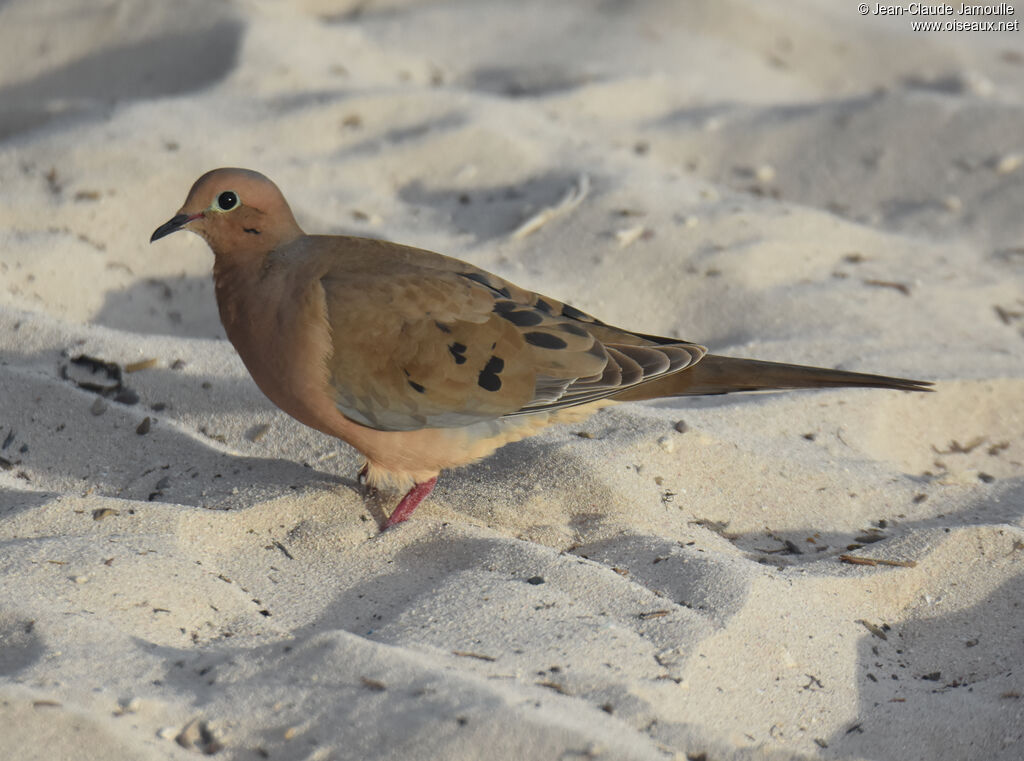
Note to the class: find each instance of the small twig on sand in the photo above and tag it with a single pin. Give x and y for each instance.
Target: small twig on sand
(572, 198)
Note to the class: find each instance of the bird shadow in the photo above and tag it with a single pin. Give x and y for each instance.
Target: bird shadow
(140, 448)
(177, 306)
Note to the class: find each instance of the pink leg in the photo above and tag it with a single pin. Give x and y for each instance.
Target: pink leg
(409, 502)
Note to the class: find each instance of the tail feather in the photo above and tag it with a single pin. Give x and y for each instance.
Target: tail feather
(723, 375)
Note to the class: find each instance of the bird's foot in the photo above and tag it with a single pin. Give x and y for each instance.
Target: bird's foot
(409, 502)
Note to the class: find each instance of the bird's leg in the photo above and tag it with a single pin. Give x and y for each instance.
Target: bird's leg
(409, 502)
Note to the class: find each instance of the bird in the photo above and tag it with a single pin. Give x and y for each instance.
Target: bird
(423, 362)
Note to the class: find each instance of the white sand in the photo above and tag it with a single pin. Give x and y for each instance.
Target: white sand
(786, 180)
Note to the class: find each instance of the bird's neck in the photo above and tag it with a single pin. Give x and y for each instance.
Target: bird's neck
(235, 278)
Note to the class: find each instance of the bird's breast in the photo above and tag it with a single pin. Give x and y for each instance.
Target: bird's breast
(278, 325)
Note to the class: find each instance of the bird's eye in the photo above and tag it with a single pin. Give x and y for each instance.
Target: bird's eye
(226, 201)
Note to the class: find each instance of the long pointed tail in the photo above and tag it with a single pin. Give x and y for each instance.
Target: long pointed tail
(724, 375)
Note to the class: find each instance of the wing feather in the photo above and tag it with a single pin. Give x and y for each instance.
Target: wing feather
(419, 340)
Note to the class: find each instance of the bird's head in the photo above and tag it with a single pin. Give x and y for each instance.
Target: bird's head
(237, 211)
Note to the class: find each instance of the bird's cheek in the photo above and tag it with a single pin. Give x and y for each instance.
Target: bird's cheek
(200, 226)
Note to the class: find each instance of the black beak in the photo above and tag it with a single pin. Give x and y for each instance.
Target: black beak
(172, 225)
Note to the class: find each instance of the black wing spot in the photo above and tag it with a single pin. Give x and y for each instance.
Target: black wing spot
(545, 340)
(524, 318)
(575, 314)
(416, 386)
(251, 230)
(458, 352)
(489, 380)
(503, 307)
(442, 327)
(543, 306)
(576, 330)
(477, 277)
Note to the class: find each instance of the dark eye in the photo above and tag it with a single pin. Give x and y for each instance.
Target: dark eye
(226, 201)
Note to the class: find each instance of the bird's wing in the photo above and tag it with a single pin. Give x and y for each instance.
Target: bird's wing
(424, 341)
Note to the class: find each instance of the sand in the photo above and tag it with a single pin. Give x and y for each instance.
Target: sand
(818, 575)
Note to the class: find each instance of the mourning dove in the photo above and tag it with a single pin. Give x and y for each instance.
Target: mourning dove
(423, 362)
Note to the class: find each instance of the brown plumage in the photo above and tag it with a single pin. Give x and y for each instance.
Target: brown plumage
(423, 362)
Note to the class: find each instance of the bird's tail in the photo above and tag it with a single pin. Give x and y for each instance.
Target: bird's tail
(723, 375)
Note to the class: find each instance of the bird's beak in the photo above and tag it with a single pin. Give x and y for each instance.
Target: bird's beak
(172, 225)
